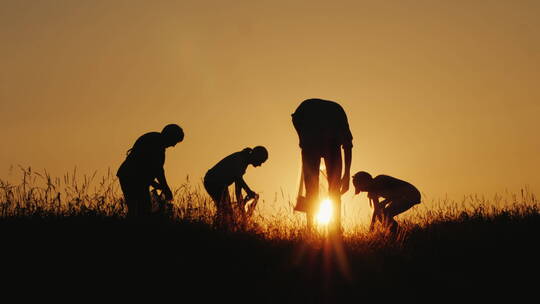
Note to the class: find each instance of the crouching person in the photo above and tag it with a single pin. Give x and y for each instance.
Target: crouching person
(398, 196)
(230, 170)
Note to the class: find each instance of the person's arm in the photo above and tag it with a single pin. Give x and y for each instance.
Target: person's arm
(374, 199)
(155, 184)
(238, 192)
(345, 181)
(163, 184)
(346, 141)
(241, 184)
(239, 198)
(384, 203)
(377, 205)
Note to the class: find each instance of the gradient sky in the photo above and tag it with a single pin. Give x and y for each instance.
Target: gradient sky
(443, 94)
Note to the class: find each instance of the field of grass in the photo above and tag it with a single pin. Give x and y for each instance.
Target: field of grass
(68, 236)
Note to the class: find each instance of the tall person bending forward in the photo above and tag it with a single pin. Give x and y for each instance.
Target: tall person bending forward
(143, 167)
(323, 130)
(231, 170)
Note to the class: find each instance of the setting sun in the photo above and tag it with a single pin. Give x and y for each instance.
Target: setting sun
(324, 215)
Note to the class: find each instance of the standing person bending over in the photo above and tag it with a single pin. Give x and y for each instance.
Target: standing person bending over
(230, 170)
(143, 166)
(323, 130)
(399, 196)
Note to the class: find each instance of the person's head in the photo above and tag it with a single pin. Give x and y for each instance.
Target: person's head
(258, 155)
(172, 134)
(361, 181)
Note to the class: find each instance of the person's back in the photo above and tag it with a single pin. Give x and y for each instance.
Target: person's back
(392, 188)
(321, 123)
(230, 168)
(145, 159)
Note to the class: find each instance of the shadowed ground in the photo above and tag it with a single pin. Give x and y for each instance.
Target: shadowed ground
(108, 258)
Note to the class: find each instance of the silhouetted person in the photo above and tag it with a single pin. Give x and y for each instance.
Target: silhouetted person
(398, 196)
(230, 170)
(143, 167)
(323, 130)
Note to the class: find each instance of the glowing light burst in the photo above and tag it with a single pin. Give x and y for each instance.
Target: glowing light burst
(324, 215)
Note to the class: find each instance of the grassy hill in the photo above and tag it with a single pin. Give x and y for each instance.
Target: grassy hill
(76, 249)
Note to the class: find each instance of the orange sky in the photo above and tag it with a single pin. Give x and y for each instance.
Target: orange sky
(443, 94)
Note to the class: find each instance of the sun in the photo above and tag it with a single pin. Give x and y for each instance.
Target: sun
(324, 215)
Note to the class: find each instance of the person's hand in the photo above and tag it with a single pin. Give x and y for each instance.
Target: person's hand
(250, 194)
(345, 184)
(168, 194)
(155, 185)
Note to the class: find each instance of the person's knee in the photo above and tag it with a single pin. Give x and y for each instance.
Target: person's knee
(397, 207)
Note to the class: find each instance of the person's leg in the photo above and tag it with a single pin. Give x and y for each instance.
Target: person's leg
(220, 196)
(145, 201)
(226, 208)
(311, 161)
(395, 208)
(376, 216)
(333, 163)
(128, 199)
(137, 198)
(391, 224)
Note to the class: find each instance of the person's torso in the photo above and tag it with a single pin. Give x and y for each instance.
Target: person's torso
(393, 188)
(321, 123)
(228, 169)
(146, 158)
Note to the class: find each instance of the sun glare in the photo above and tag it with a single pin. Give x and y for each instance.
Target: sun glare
(324, 215)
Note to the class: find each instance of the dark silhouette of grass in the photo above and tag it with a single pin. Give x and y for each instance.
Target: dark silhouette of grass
(77, 246)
